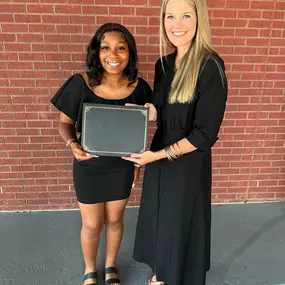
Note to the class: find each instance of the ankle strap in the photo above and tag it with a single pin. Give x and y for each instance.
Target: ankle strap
(111, 270)
(90, 275)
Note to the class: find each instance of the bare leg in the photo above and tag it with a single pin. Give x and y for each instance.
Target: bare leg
(114, 231)
(93, 217)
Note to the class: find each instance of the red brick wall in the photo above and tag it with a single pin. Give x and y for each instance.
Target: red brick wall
(41, 44)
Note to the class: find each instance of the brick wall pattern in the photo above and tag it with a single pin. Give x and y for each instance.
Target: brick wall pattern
(43, 42)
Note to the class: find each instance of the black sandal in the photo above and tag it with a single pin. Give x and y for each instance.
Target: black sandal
(111, 281)
(91, 275)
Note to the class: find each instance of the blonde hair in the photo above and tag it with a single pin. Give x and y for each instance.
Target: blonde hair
(184, 82)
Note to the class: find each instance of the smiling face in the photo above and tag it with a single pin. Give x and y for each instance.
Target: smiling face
(114, 53)
(180, 23)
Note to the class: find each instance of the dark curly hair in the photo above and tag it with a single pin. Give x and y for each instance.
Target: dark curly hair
(94, 68)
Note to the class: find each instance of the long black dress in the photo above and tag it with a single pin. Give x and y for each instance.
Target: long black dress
(105, 178)
(173, 230)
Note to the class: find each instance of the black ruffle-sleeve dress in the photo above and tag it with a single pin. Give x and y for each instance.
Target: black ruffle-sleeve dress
(104, 178)
(173, 230)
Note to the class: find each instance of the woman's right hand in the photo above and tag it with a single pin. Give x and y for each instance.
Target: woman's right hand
(79, 153)
(152, 111)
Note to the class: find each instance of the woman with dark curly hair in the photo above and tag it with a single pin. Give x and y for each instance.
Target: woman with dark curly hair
(102, 184)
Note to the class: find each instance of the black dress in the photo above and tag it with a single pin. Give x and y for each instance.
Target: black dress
(104, 178)
(173, 230)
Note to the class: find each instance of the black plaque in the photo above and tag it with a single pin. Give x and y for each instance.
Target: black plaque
(111, 130)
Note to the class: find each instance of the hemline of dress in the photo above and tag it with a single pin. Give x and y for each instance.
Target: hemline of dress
(144, 262)
(105, 200)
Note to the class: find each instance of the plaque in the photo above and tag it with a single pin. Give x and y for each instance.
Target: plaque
(112, 130)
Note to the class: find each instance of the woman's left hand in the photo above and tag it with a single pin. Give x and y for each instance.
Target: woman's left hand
(143, 158)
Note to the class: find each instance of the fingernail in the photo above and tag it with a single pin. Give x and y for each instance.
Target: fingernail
(133, 185)
(88, 154)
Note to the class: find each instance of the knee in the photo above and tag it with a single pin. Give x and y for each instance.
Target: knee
(114, 224)
(92, 229)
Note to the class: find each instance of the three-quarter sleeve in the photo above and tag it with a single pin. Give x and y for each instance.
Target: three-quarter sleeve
(210, 108)
(68, 98)
(144, 93)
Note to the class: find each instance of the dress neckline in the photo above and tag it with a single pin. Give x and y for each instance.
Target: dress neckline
(110, 99)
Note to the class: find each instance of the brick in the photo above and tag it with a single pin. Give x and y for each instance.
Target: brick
(147, 30)
(246, 32)
(237, 4)
(6, 18)
(67, 9)
(63, 19)
(111, 2)
(235, 23)
(22, 82)
(28, 19)
(258, 42)
(108, 19)
(8, 56)
(56, 38)
(263, 5)
(122, 11)
(95, 10)
(223, 32)
(134, 2)
(14, 28)
(247, 14)
(67, 29)
(278, 25)
(47, 66)
(80, 39)
(234, 41)
(71, 66)
(7, 38)
(82, 20)
(225, 14)
(134, 21)
(268, 15)
(29, 38)
(45, 47)
(259, 24)
(12, 8)
(153, 12)
(40, 28)
(40, 9)
(280, 6)
(36, 201)
(23, 1)
(158, 2)
(278, 42)
(31, 57)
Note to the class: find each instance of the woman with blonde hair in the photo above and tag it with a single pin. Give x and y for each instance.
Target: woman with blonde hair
(189, 99)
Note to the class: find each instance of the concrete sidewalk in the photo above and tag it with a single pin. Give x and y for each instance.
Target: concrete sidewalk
(40, 248)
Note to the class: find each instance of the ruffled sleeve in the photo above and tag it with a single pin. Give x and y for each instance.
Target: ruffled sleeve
(69, 97)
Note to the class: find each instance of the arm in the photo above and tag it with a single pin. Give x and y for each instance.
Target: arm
(149, 156)
(210, 107)
(208, 117)
(66, 130)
